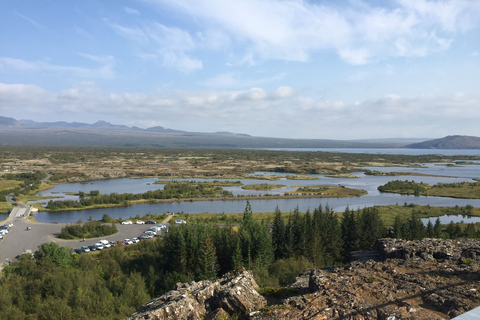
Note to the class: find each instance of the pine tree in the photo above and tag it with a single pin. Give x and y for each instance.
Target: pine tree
(430, 231)
(416, 228)
(237, 257)
(247, 215)
(278, 235)
(371, 227)
(437, 228)
(350, 232)
(207, 260)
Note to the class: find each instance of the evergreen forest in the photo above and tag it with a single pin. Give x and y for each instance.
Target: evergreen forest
(111, 284)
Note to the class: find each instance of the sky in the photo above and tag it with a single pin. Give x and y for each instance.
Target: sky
(312, 69)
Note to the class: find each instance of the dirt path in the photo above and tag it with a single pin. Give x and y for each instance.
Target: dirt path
(167, 219)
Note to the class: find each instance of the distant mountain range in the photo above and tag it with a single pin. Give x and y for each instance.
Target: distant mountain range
(449, 142)
(105, 134)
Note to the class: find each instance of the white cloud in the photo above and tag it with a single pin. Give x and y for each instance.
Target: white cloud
(231, 79)
(31, 21)
(169, 45)
(131, 11)
(104, 70)
(361, 32)
(281, 112)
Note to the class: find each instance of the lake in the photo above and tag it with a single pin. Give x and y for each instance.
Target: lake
(369, 183)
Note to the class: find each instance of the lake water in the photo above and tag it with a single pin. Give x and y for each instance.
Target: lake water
(369, 183)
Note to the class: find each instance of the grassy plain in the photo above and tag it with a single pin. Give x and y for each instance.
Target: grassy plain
(85, 164)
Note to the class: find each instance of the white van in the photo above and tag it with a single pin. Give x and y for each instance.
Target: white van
(105, 243)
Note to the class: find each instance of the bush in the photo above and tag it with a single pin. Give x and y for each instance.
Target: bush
(286, 270)
(90, 229)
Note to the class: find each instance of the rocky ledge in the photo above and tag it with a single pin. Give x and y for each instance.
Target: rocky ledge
(234, 293)
(426, 279)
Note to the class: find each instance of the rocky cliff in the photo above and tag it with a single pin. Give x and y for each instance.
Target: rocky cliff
(427, 279)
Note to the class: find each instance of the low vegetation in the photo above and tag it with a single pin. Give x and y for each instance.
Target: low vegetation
(91, 229)
(263, 186)
(465, 190)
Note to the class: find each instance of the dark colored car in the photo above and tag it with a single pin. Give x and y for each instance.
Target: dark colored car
(151, 222)
(92, 248)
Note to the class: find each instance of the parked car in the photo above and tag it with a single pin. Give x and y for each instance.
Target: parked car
(99, 246)
(162, 226)
(180, 221)
(135, 240)
(140, 222)
(152, 231)
(128, 241)
(78, 250)
(92, 248)
(105, 243)
(151, 222)
(146, 236)
(85, 249)
(127, 222)
(1, 236)
(3, 231)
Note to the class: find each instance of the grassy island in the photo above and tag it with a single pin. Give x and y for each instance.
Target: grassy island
(463, 190)
(263, 186)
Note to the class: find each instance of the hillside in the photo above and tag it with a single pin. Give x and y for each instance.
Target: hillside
(104, 134)
(425, 279)
(449, 142)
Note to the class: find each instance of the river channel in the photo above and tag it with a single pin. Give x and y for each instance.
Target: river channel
(445, 174)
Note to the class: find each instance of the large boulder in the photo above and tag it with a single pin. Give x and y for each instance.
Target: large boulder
(234, 293)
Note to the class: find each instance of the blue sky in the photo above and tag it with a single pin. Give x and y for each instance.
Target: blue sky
(294, 69)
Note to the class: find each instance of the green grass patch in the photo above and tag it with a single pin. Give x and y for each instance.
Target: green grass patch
(9, 184)
(5, 207)
(263, 186)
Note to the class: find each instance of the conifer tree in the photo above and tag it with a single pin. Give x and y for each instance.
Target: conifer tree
(371, 228)
(437, 228)
(237, 257)
(278, 235)
(430, 231)
(350, 232)
(207, 260)
(415, 227)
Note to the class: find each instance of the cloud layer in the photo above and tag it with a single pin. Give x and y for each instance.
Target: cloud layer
(360, 33)
(286, 112)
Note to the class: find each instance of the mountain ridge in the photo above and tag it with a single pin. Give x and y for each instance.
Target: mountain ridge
(448, 142)
(105, 134)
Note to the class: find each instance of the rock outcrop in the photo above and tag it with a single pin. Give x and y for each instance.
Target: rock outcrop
(426, 279)
(234, 293)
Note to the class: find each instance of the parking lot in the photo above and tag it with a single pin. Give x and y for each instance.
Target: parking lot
(19, 239)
